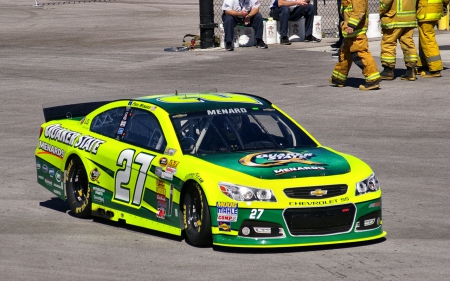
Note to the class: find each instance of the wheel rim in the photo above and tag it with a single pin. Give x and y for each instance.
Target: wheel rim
(194, 207)
(79, 183)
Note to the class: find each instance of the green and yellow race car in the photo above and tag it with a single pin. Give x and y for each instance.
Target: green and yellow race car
(220, 168)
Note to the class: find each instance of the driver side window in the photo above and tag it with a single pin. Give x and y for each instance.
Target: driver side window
(143, 130)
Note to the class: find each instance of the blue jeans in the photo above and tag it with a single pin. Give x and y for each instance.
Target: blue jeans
(301, 11)
(230, 22)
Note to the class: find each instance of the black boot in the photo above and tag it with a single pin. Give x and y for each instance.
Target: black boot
(387, 73)
(410, 74)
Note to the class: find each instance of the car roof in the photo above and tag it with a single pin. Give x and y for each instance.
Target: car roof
(190, 102)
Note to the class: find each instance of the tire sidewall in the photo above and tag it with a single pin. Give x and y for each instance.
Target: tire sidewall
(80, 209)
(200, 236)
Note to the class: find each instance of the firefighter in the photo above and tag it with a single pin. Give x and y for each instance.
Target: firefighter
(429, 12)
(398, 20)
(356, 46)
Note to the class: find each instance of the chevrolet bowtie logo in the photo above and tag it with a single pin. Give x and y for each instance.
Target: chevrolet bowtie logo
(319, 192)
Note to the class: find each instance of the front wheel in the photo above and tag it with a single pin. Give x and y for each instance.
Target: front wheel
(77, 189)
(197, 219)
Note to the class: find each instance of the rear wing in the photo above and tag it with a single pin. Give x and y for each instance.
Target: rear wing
(73, 109)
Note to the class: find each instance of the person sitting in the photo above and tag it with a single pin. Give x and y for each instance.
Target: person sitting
(292, 10)
(245, 12)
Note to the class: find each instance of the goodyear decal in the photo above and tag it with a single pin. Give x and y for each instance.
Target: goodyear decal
(227, 211)
(57, 133)
(278, 158)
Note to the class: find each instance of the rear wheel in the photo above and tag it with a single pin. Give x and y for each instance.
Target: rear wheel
(197, 219)
(77, 189)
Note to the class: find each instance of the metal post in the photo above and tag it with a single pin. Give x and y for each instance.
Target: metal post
(207, 24)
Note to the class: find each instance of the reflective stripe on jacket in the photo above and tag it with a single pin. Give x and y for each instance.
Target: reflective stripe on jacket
(398, 13)
(356, 15)
(430, 10)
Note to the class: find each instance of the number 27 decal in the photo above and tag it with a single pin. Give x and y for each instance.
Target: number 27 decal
(256, 213)
(125, 161)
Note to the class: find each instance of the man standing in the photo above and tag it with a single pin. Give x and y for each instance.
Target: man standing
(292, 10)
(356, 46)
(398, 20)
(429, 12)
(245, 12)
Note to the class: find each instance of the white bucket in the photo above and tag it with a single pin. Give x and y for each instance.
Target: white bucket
(236, 37)
(271, 31)
(317, 27)
(297, 30)
(222, 36)
(374, 29)
(246, 36)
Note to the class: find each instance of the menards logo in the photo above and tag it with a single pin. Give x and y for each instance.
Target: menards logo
(278, 158)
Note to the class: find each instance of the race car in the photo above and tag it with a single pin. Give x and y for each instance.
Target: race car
(225, 169)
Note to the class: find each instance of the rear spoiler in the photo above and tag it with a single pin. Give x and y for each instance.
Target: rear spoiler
(73, 109)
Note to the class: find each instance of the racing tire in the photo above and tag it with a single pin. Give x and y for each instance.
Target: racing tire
(77, 189)
(196, 216)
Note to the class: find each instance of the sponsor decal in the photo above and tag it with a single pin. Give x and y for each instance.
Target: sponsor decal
(48, 182)
(226, 111)
(224, 226)
(122, 123)
(369, 222)
(171, 170)
(57, 192)
(40, 177)
(163, 161)
(227, 211)
(120, 131)
(94, 175)
(153, 108)
(158, 171)
(58, 185)
(195, 176)
(376, 204)
(173, 163)
(38, 165)
(44, 168)
(161, 202)
(167, 176)
(71, 138)
(98, 194)
(277, 158)
(53, 150)
(170, 151)
(319, 203)
(51, 172)
(296, 169)
(58, 176)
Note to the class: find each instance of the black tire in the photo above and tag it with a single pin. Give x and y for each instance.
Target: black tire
(196, 216)
(77, 189)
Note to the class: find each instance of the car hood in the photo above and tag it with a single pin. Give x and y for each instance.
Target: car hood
(278, 164)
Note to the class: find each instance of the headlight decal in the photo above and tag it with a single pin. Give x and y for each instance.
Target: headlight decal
(370, 184)
(245, 193)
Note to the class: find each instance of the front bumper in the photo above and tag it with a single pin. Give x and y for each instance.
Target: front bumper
(294, 227)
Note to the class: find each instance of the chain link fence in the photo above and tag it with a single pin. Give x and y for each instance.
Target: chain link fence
(327, 9)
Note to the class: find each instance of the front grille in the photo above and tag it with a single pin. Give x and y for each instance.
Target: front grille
(321, 220)
(305, 192)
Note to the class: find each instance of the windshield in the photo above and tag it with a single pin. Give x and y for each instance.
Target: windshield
(250, 129)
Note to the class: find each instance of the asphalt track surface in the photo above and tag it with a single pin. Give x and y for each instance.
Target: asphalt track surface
(60, 52)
